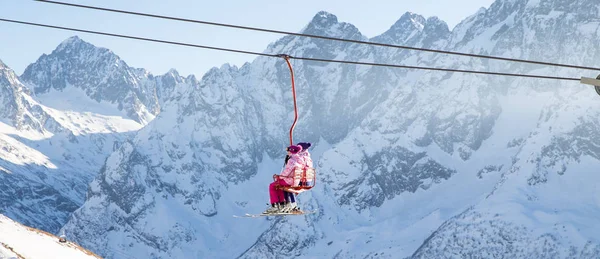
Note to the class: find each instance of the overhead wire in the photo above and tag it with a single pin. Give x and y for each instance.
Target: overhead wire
(292, 57)
(136, 38)
(318, 36)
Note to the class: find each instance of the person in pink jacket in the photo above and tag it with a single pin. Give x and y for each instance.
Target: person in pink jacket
(286, 178)
(304, 161)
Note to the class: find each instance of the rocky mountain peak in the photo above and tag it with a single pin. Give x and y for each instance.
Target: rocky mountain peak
(327, 24)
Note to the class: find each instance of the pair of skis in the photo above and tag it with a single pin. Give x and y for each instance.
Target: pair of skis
(295, 213)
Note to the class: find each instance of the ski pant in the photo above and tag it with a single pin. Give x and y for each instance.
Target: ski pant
(289, 197)
(277, 195)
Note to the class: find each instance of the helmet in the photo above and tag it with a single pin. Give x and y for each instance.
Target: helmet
(294, 149)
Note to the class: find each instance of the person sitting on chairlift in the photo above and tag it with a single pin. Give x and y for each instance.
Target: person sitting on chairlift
(283, 180)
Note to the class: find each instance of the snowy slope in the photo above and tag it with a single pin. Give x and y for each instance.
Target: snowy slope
(62, 118)
(96, 74)
(49, 156)
(7, 253)
(546, 204)
(16, 242)
(98, 81)
(411, 163)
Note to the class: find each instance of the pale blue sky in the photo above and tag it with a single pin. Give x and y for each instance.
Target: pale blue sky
(21, 45)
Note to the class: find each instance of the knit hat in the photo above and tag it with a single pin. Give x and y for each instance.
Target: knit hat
(304, 145)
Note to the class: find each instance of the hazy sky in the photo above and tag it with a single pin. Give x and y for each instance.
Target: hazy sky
(20, 45)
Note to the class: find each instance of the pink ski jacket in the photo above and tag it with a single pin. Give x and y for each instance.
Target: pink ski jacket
(301, 161)
(288, 172)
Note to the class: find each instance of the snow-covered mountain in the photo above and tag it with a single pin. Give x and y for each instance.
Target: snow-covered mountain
(75, 107)
(14, 101)
(49, 156)
(411, 163)
(21, 242)
(95, 75)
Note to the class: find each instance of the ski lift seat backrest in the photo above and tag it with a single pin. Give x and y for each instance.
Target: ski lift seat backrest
(304, 178)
